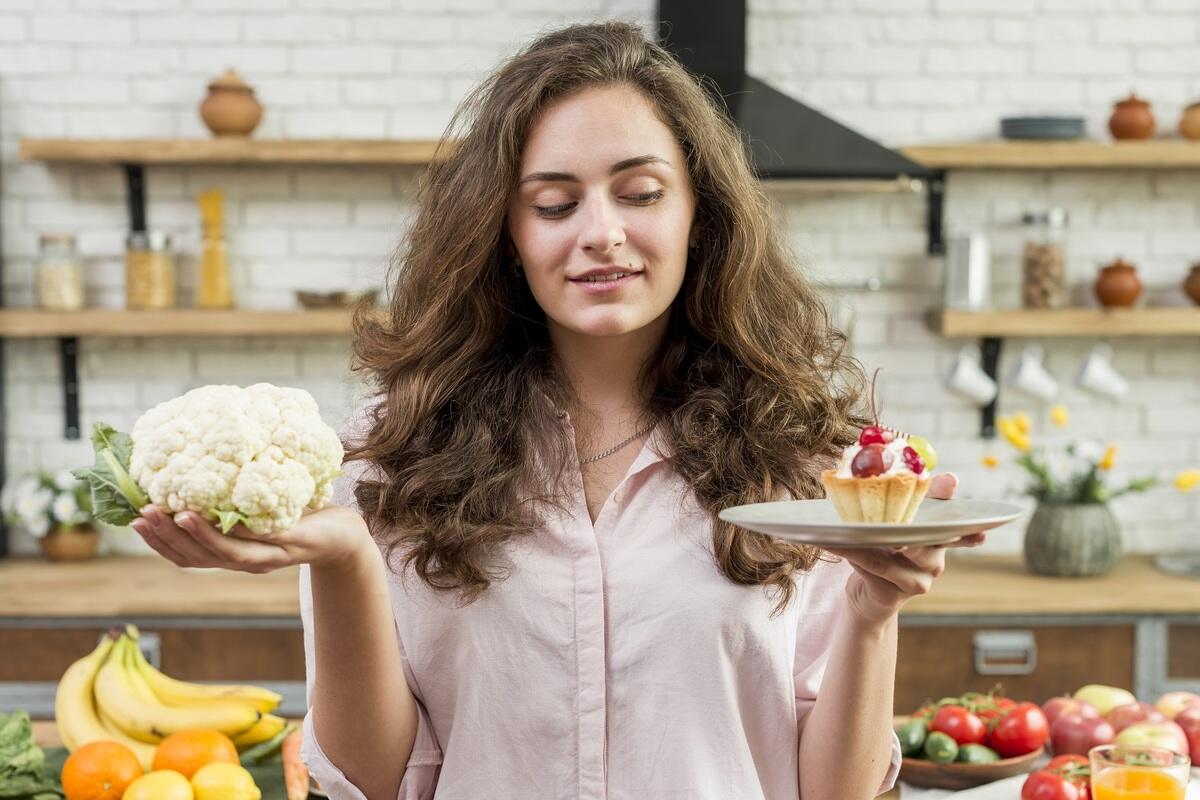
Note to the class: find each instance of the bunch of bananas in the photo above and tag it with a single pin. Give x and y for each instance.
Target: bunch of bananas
(115, 694)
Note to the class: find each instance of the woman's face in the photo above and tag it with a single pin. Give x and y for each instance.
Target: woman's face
(603, 188)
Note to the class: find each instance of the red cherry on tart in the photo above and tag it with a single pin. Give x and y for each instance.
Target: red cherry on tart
(913, 460)
(874, 434)
(872, 460)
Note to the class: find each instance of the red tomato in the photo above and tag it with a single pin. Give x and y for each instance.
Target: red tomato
(1022, 730)
(998, 707)
(1045, 786)
(960, 725)
(1059, 762)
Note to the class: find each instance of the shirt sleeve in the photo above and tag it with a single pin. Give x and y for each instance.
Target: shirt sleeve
(424, 763)
(823, 595)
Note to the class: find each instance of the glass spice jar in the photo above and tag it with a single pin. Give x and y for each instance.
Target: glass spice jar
(149, 272)
(1044, 259)
(59, 273)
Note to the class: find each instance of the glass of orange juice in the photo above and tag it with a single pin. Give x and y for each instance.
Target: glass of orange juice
(1136, 772)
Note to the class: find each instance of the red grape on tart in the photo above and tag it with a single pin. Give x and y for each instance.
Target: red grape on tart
(882, 478)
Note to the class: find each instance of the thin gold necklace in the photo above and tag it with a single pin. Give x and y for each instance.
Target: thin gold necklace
(615, 448)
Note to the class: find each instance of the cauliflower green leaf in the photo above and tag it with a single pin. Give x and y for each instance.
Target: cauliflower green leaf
(116, 497)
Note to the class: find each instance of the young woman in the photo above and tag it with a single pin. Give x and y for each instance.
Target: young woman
(595, 342)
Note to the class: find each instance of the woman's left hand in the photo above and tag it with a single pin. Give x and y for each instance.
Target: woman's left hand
(886, 577)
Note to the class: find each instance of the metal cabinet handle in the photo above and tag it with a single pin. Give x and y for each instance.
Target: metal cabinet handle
(1005, 652)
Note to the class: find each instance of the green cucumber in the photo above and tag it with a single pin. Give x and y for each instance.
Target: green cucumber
(912, 736)
(977, 754)
(940, 748)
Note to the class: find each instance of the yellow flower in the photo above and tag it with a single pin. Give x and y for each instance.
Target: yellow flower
(1109, 458)
(1060, 416)
(1187, 480)
(990, 461)
(1011, 431)
(1022, 421)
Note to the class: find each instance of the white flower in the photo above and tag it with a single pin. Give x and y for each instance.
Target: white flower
(1090, 451)
(65, 481)
(65, 508)
(39, 527)
(1058, 465)
(34, 505)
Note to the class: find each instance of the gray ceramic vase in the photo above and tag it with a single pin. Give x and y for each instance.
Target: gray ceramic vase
(1074, 540)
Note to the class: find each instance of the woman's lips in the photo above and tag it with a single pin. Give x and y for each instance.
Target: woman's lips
(604, 287)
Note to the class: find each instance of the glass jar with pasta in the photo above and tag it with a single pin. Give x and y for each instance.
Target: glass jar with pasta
(59, 273)
(149, 271)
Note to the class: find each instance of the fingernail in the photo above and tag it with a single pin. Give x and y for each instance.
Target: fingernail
(147, 509)
(184, 520)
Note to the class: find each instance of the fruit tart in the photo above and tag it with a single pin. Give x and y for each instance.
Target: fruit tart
(882, 478)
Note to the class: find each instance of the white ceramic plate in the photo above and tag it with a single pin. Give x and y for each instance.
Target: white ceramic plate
(817, 522)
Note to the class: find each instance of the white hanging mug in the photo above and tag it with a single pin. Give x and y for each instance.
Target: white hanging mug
(1029, 375)
(1099, 376)
(967, 378)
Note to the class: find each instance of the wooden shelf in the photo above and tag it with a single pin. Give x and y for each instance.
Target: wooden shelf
(1068, 322)
(30, 323)
(1166, 154)
(229, 151)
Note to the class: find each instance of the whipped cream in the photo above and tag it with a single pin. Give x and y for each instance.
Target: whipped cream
(895, 447)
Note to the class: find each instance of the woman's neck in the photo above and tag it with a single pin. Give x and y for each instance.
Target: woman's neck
(605, 371)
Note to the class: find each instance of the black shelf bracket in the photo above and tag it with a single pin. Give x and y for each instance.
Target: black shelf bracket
(935, 187)
(135, 196)
(68, 348)
(990, 348)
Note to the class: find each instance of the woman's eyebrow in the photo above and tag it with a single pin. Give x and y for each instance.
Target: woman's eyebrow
(620, 166)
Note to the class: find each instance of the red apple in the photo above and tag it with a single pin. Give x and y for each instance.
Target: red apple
(1122, 717)
(1171, 703)
(1155, 734)
(1189, 720)
(1065, 704)
(1072, 732)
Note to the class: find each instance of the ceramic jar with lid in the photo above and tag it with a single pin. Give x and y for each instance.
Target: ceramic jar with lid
(1131, 119)
(1189, 123)
(1191, 284)
(230, 108)
(1118, 285)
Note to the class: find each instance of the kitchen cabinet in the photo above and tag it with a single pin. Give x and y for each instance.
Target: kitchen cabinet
(989, 621)
(196, 625)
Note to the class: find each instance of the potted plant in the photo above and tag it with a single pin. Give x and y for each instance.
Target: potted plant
(55, 509)
(1072, 532)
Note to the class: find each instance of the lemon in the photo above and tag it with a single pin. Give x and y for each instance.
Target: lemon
(162, 784)
(221, 781)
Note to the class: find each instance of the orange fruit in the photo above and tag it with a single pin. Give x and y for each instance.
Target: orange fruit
(99, 771)
(187, 751)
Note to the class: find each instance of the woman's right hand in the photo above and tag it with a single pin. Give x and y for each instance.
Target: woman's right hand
(322, 538)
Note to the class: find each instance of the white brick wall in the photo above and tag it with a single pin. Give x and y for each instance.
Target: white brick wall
(899, 70)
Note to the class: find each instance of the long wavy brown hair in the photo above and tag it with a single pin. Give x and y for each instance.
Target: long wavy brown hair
(751, 382)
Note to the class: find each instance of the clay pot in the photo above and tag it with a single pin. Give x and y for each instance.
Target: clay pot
(230, 108)
(78, 543)
(1189, 123)
(1191, 284)
(1118, 284)
(1131, 119)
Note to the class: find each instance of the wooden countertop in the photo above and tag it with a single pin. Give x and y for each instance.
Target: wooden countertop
(152, 586)
(1001, 585)
(127, 586)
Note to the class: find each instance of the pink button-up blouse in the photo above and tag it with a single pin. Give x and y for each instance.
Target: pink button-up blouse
(616, 662)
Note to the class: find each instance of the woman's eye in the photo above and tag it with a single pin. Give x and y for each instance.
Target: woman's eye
(557, 211)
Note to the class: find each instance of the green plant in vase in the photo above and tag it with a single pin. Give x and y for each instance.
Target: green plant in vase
(1072, 532)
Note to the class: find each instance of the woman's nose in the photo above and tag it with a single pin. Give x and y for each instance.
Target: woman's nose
(603, 228)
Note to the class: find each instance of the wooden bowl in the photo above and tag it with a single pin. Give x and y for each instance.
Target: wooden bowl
(931, 775)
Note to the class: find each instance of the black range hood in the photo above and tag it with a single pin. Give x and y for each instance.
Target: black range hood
(787, 139)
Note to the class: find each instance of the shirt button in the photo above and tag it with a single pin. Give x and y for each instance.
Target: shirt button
(619, 496)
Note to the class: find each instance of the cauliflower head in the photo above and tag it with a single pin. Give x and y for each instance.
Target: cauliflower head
(260, 455)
